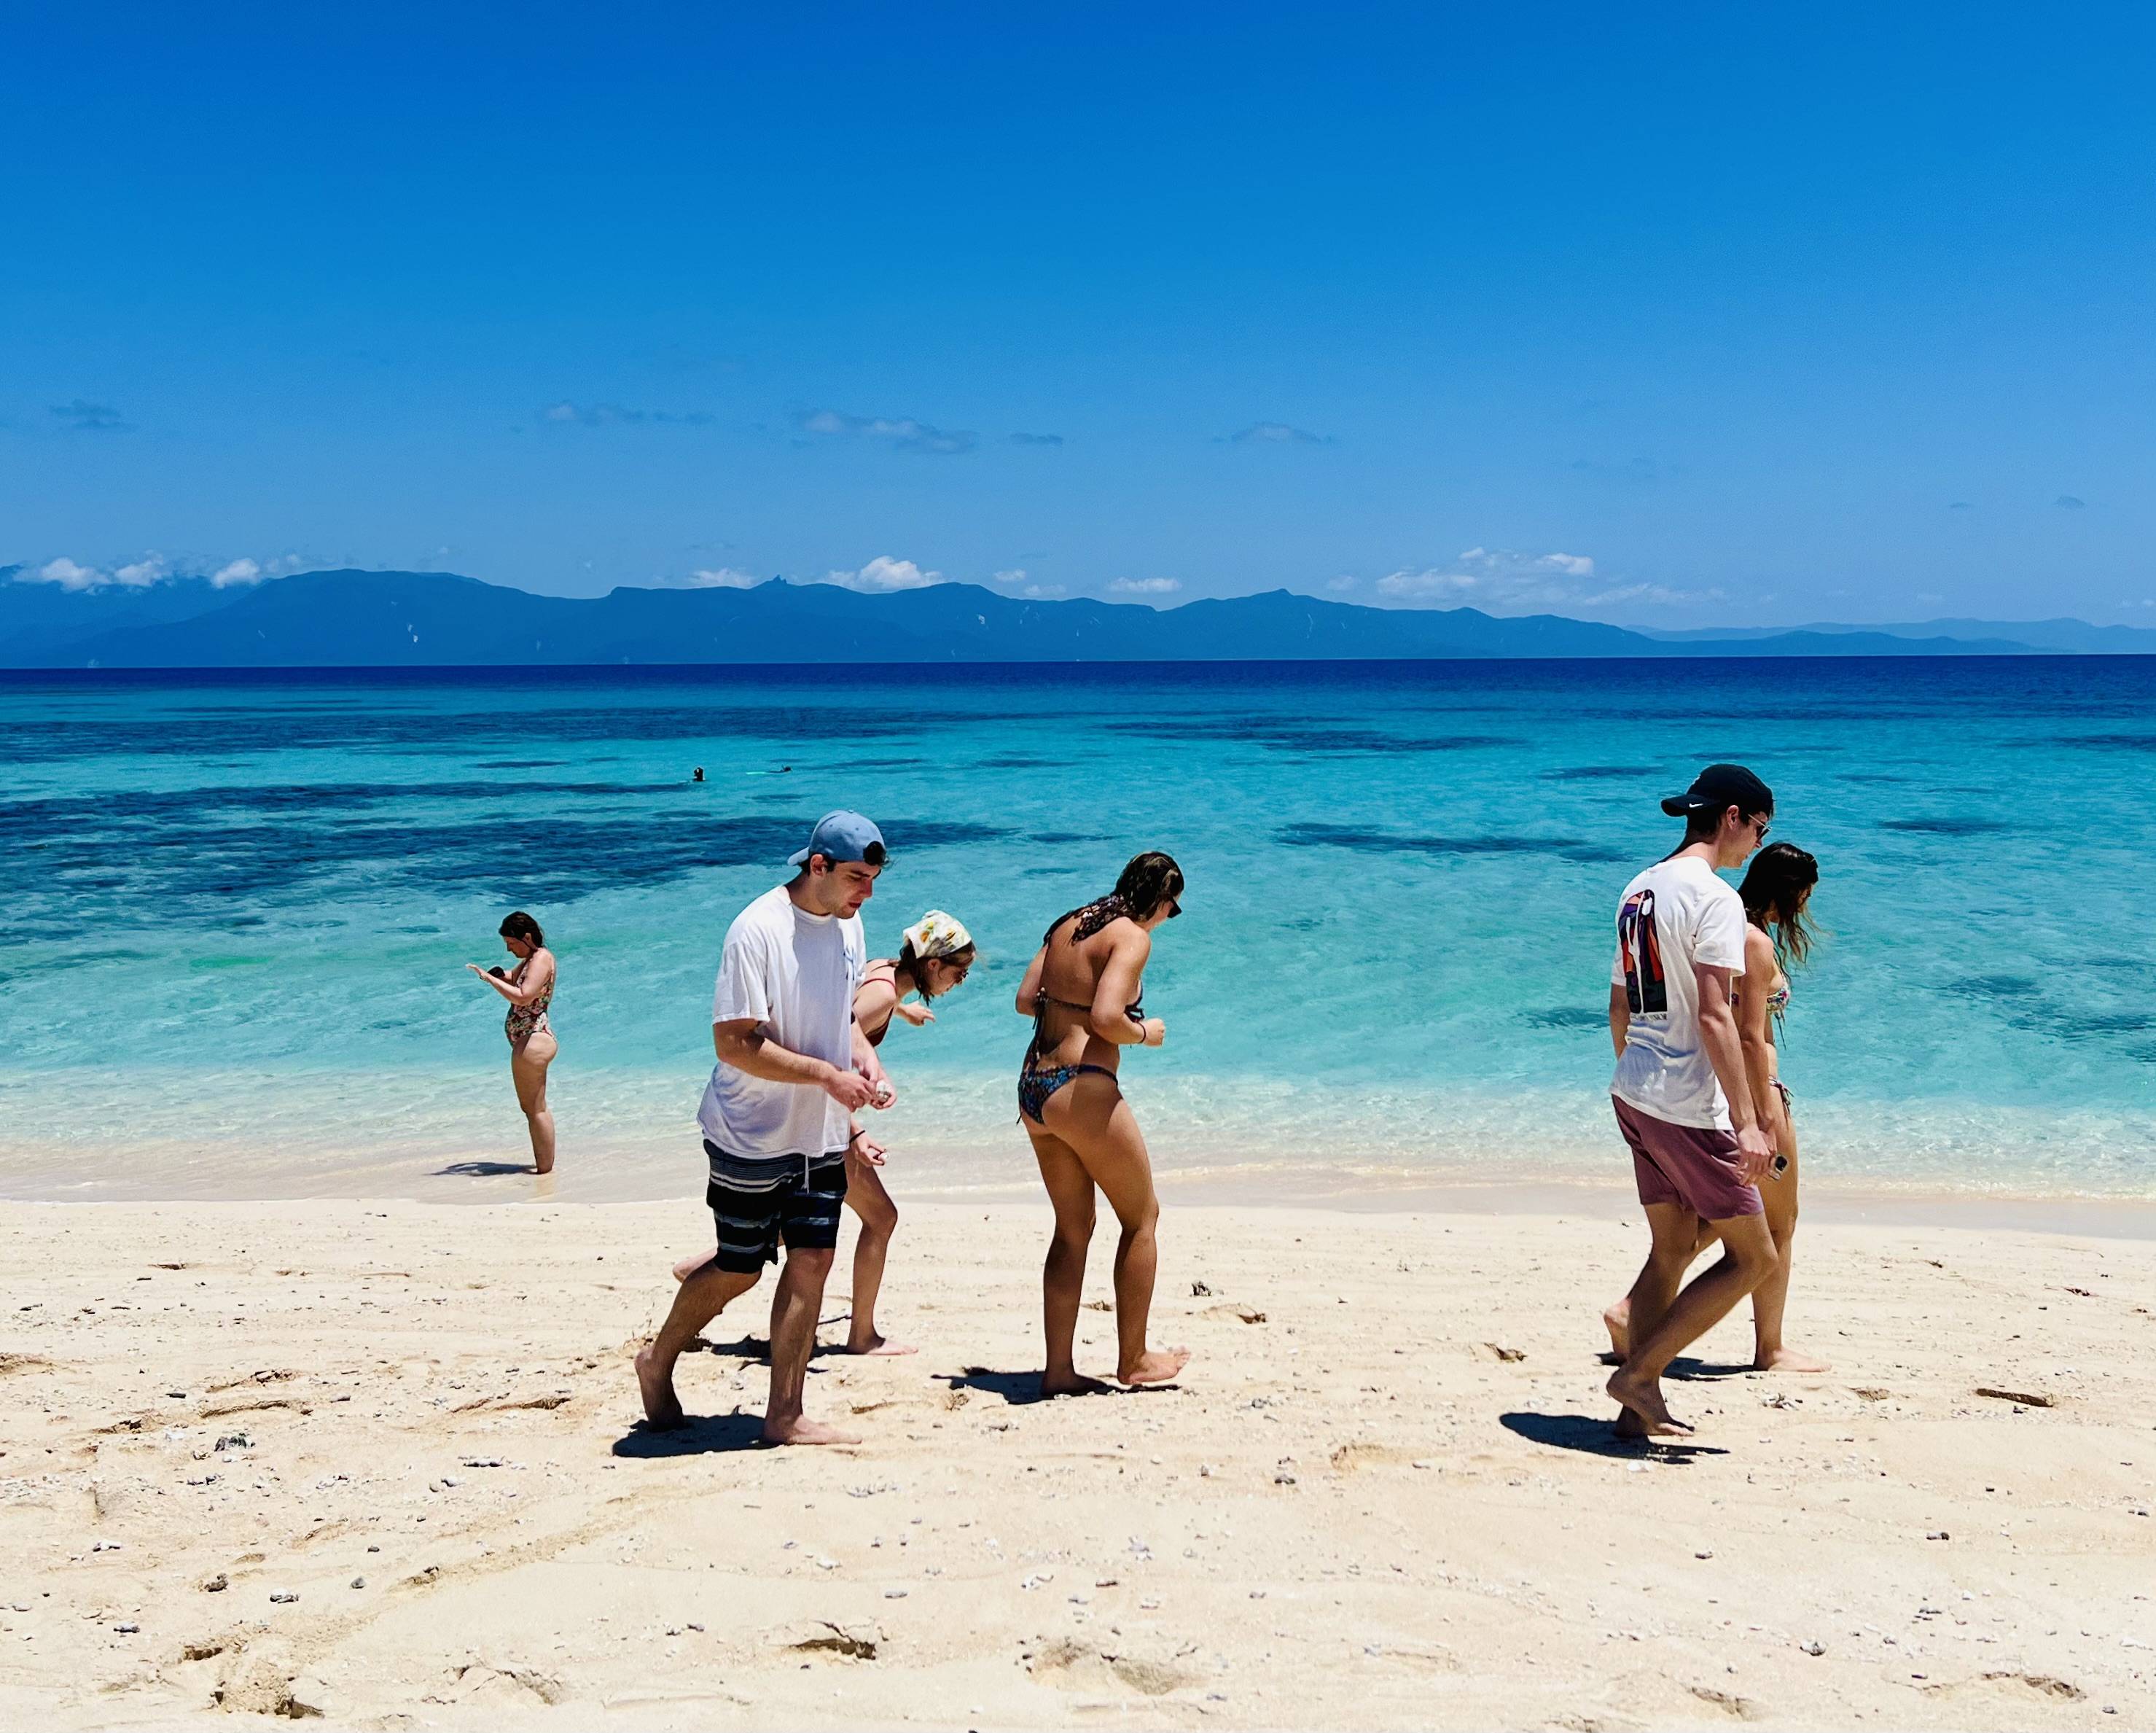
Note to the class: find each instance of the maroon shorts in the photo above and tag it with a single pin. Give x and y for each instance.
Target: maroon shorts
(1690, 1165)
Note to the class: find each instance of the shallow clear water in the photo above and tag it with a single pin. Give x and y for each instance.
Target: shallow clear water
(235, 909)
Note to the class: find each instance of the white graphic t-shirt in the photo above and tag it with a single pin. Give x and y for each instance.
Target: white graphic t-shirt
(795, 973)
(1674, 914)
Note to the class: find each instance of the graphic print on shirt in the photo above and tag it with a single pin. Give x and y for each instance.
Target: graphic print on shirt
(1639, 944)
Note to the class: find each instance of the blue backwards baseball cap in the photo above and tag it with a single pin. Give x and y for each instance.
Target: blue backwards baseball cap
(842, 836)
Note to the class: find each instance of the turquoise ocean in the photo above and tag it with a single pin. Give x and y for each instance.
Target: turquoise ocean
(235, 911)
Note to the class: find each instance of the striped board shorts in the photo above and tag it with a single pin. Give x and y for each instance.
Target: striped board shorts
(757, 1201)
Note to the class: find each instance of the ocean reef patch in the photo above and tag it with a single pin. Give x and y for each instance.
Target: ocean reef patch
(1950, 827)
(1567, 1016)
(250, 729)
(1315, 739)
(1597, 773)
(160, 860)
(2108, 742)
(1386, 842)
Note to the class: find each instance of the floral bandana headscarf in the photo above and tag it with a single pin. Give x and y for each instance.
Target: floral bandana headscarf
(937, 934)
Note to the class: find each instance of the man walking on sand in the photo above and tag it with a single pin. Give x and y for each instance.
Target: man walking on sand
(1683, 1101)
(793, 1068)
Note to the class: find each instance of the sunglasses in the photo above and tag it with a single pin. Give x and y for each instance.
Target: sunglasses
(1174, 908)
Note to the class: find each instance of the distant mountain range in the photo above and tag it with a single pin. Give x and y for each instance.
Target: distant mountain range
(354, 618)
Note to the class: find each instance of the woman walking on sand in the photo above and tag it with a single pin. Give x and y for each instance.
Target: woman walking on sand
(529, 987)
(1082, 992)
(1777, 894)
(934, 955)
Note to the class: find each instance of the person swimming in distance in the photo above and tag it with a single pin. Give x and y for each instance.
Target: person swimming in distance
(1082, 990)
(1777, 893)
(529, 987)
(934, 955)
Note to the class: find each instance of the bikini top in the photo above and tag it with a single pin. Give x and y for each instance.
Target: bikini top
(875, 1038)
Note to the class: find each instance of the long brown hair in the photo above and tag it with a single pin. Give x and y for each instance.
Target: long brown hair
(1149, 880)
(1775, 891)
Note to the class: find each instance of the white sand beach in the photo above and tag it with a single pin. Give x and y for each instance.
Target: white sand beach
(382, 1463)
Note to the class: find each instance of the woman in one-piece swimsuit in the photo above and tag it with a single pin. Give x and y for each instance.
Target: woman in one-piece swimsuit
(529, 987)
(1082, 991)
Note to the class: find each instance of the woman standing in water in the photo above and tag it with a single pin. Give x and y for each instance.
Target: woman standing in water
(934, 955)
(1777, 893)
(1082, 992)
(529, 987)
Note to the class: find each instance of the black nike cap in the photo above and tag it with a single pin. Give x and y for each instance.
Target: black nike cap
(1718, 787)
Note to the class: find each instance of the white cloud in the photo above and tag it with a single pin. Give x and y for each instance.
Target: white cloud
(145, 571)
(66, 573)
(1145, 587)
(1015, 575)
(884, 574)
(618, 415)
(1043, 592)
(720, 578)
(156, 568)
(1343, 581)
(1501, 581)
(901, 431)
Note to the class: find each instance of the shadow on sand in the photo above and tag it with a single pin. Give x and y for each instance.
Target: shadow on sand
(1684, 1367)
(701, 1435)
(1594, 1436)
(1016, 1388)
(481, 1170)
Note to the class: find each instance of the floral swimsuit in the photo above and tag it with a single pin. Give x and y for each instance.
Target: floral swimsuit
(526, 1020)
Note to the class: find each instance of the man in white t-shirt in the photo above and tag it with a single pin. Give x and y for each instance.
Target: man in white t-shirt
(1682, 1095)
(777, 1116)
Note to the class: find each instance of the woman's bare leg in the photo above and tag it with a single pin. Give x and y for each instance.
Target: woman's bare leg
(527, 1066)
(1063, 1276)
(1779, 1195)
(1093, 1119)
(866, 1196)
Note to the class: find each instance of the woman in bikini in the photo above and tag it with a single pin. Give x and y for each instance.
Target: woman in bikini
(934, 955)
(1777, 891)
(529, 987)
(1082, 992)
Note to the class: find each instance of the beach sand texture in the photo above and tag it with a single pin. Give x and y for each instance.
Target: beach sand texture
(383, 1462)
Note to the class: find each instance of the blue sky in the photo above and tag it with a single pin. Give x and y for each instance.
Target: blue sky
(1678, 314)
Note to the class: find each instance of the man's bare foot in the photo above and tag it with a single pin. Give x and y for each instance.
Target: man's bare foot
(1071, 1386)
(1156, 1366)
(800, 1430)
(690, 1265)
(1618, 1321)
(881, 1345)
(1643, 1397)
(661, 1407)
(1788, 1360)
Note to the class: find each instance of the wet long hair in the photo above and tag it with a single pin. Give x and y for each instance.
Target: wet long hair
(517, 924)
(1150, 880)
(1774, 892)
